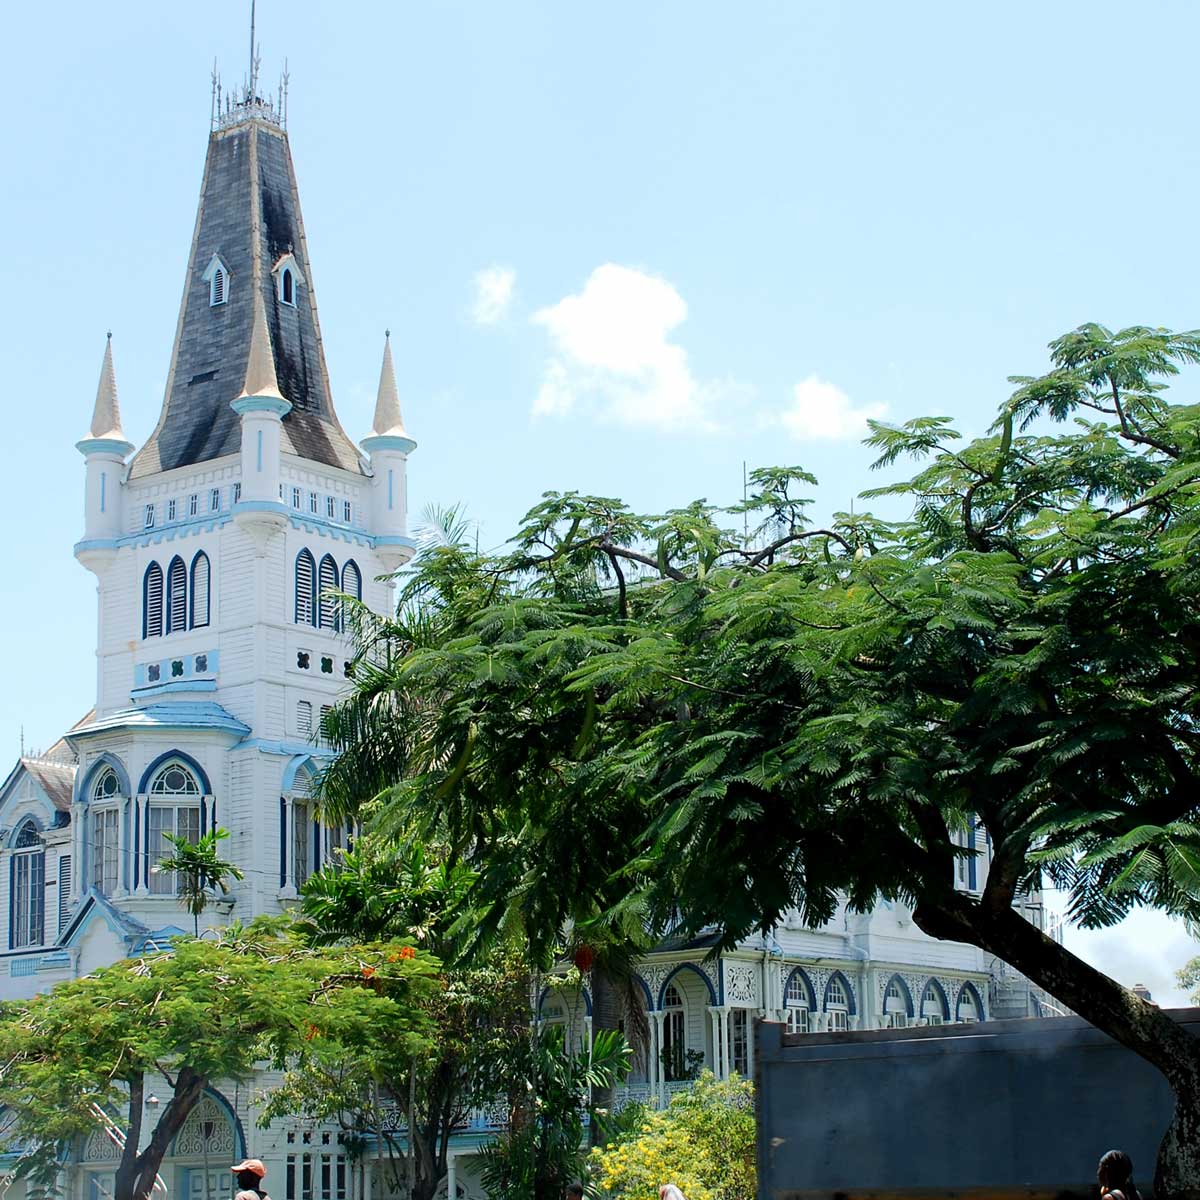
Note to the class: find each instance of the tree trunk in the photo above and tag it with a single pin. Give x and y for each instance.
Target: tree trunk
(137, 1173)
(606, 1018)
(1141, 1027)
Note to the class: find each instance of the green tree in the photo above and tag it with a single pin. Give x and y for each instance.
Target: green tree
(703, 1142)
(552, 858)
(205, 1013)
(202, 871)
(384, 891)
(541, 1151)
(638, 719)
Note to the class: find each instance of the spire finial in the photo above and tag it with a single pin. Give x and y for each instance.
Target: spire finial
(253, 58)
(388, 422)
(261, 379)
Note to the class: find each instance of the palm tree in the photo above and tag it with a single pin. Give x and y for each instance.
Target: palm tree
(201, 872)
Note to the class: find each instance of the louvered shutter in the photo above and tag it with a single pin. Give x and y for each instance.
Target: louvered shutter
(176, 596)
(64, 891)
(200, 593)
(352, 580)
(218, 287)
(304, 718)
(329, 584)
(305, 580)
(152, 602)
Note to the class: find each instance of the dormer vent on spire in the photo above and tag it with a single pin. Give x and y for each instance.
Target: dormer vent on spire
(217, 278)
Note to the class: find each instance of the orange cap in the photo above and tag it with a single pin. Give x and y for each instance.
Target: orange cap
(250, 1164)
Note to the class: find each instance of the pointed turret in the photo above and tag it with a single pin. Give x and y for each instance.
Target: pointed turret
(261, 380)
(388, 422)
(106, 416)
(389, 446)
(104, 449)
(261, 407)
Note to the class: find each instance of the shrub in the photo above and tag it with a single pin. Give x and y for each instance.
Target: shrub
(703, 1142)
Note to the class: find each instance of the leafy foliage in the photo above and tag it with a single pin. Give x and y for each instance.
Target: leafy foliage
(203, 872)
(703, 1142)
(540, 1152)
(208, 1011)
(643, 721)
(477, 1013)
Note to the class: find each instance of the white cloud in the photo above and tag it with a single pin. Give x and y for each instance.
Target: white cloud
(613, 356)
(822, 411)
(493, 294)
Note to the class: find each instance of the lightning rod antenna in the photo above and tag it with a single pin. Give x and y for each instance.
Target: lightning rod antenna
(250, 95)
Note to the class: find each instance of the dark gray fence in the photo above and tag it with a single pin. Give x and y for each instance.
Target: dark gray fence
(998, 1110)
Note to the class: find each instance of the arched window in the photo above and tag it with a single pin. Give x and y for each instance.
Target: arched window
(837, 1005)
(895, 1005)
(176, 595)
(216, 288)
(287, 287)
(27, 889)
(967, 1010)
(200, 590)
(152, 601)
(674, 1047)
(798, 1003)
(351, 584)
(933, 1005)
(328, 586)
(175, 810)
(105, 813)
(306, 589)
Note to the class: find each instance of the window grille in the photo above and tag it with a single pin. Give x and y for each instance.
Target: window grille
(739, 1038)
(347, 511)
(295, 497)
(27, 889)
(148, 523)
(104, 850)
(214, 500)
(330, 507)
(300, 837)
(152, 602)
(174, 809)
(287, 292)
(170, 510)
(193, 504)
(312, 503)
(237, 492)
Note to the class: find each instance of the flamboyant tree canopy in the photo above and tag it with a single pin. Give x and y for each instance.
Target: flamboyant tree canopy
(635, 719)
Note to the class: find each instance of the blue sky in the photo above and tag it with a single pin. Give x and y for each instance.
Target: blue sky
(621, 248)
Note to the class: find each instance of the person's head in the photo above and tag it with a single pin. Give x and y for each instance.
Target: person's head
(1115, 1171)
(574, 1191)
(249, 1173)
(669, 1191)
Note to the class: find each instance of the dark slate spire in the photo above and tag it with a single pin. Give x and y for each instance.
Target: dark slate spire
(249, 227)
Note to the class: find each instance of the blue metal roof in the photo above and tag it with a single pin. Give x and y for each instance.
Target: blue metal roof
(190, 714)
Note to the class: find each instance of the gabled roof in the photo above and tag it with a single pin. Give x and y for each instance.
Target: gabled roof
(55, 779)
(94, 904)
(249, 216)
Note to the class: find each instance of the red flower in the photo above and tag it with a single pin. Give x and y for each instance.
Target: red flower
(584, 957)
(407, 952)
(368, 972)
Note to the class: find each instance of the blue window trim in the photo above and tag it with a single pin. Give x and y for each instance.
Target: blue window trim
(283, 842)
(153, 572)
(182, 576)
(904, 992)
(187, 760)
(811, 992)
(306, 554)
(192, 622)
(940, 992)
(335, 621)
(851, 1004)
